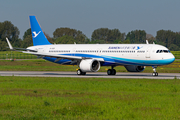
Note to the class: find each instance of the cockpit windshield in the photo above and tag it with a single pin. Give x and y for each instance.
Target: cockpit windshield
(162, 51)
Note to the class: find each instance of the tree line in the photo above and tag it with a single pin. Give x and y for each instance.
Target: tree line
(166, 38)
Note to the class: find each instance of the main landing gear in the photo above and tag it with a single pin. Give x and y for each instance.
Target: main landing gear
(79, 72)
(111, 71)
(154, 71)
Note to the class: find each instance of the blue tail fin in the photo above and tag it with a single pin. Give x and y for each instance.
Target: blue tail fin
(37, 33)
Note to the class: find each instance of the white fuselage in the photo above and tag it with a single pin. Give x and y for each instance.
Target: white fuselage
(120, 54)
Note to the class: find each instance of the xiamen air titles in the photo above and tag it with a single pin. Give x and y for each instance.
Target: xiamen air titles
(90, 57)
(124, 47)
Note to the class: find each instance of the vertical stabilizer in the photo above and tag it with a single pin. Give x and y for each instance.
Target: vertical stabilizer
(37, 33)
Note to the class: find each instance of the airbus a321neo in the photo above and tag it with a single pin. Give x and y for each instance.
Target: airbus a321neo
(90, 57)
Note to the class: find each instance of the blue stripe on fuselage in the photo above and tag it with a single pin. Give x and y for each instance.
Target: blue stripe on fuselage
(114, 61)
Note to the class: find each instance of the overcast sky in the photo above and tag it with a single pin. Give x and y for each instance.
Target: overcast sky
(88, 15)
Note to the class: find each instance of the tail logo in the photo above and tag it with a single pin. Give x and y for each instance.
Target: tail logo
(36, 34)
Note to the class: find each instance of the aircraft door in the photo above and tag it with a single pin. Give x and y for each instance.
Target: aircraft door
(73, 52)
(99, 52)
(45, 49)
(148, 52)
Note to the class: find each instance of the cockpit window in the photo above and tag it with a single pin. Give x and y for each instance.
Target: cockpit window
(165, 51)
(162, 51)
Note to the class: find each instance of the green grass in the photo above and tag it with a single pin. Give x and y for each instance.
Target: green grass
(176, 54)
(43, 65)
(88, 98)
(16, 55)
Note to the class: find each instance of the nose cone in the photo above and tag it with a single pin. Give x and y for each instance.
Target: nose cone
(169, 59)
(172, 59)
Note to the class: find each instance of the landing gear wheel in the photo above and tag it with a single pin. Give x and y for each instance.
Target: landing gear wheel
(79, 72)
(154, 74)
(154, 69)
(111, 72)
(83, 73)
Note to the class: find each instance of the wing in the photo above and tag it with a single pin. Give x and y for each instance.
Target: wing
(61, 56)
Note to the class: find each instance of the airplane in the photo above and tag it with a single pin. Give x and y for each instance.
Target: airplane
(90, 57)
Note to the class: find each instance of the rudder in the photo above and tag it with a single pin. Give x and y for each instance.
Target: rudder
(37, 34)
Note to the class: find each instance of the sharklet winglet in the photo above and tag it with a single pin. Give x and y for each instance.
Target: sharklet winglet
(9, 44)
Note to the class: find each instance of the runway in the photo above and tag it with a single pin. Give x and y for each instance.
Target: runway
(89, 75)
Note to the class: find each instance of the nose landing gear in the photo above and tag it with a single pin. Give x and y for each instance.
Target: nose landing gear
(154, 71)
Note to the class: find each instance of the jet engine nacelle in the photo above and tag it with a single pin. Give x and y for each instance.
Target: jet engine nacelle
(89, 65)
(134, 68)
